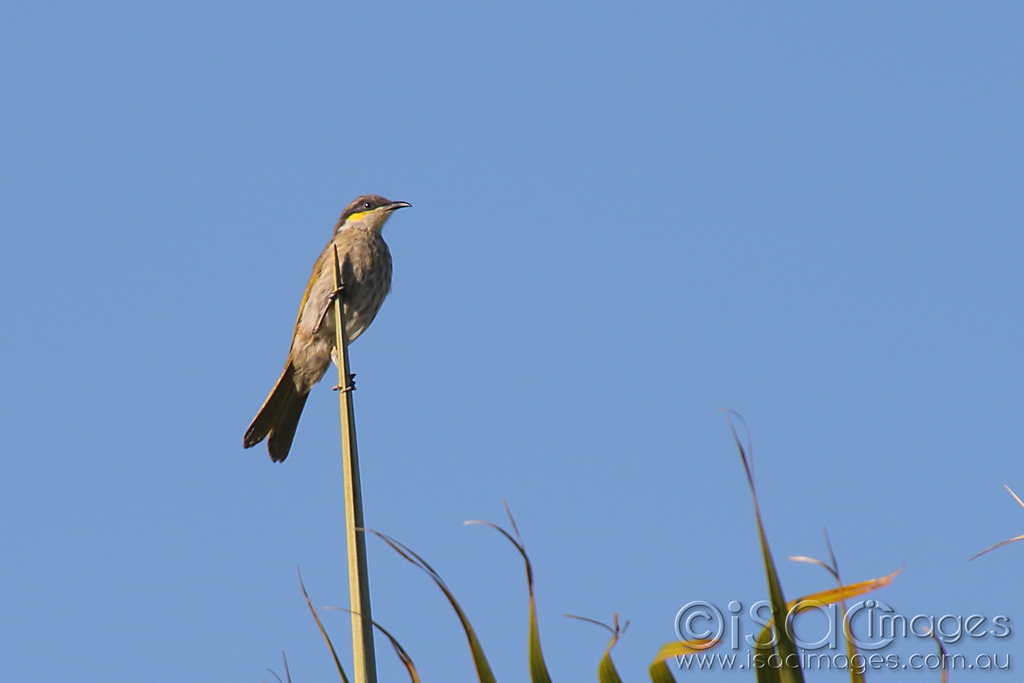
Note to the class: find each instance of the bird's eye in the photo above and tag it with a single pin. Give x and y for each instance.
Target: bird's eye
(367, 205)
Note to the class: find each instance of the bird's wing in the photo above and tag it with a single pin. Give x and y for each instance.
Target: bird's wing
(317, 267)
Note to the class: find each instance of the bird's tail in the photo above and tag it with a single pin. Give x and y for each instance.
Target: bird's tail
(278, 417)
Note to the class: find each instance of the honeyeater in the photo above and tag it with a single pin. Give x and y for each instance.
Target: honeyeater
(365, 281)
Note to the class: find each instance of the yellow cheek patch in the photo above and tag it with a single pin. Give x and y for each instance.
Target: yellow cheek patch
(358, 216)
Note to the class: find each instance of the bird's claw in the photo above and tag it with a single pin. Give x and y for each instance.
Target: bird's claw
(331, 298)
(351, 384)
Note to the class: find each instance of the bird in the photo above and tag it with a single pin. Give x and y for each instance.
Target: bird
(365, 282)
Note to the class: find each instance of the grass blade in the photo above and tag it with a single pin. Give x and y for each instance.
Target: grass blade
(843, 593)
(856, 676)
(483, 669)
(323, 632)
(606, 672)
(998, 545)
(942, 658)
(1009, 541)
(406, 660)
(287, 674)
(840, 594)
(784, 646)
(538, 669)
(659, 671)
(832, 595)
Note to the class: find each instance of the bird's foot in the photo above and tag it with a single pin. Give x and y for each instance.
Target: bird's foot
(331, 298)
(351, 384)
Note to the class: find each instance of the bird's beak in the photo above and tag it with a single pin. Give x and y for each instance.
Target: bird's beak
(393, 206)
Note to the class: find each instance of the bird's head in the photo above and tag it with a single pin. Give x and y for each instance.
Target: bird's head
(371, 211)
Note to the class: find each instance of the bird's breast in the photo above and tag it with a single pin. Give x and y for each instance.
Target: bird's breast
(366, 278)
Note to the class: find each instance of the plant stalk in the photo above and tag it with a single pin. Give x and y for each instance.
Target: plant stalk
(364, 661)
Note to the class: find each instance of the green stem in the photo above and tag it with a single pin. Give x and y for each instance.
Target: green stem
(364, 662)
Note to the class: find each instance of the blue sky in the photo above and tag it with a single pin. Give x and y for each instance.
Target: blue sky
(625, 217)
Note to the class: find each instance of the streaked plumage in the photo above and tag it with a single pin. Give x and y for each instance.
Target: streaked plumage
(366, 278)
